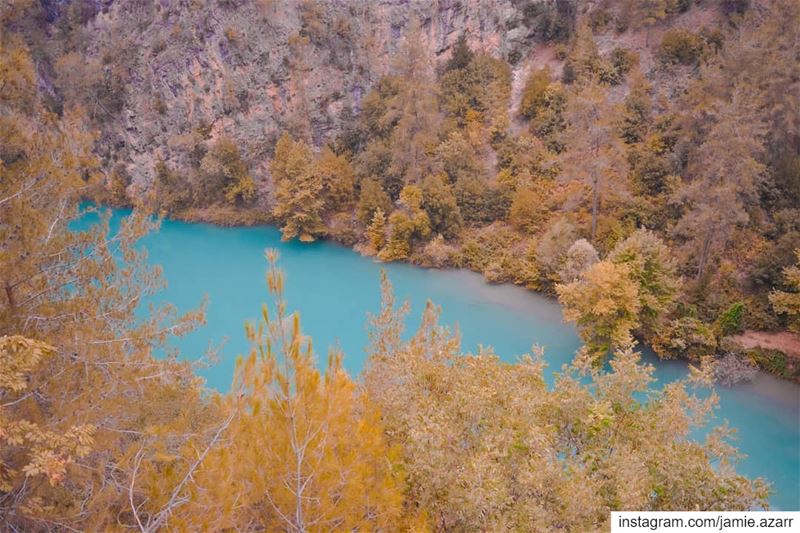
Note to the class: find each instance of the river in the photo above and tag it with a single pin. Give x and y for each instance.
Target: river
(334, 288)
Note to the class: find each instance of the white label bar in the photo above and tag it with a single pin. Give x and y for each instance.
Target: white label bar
(705, 522)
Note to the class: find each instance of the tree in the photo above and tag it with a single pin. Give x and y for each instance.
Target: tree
(414, 136)
(407, 223)
(580, 258)
(788, 303)
(376, 231)
(636, 110)
(534, 92)
(371, 199)
(338, 180)
(84, 402)
(440, 204)
(28, 450)
(222, 170)
(456, 156)
(582, 66)
(528, 209)
(552, 248)
(461, 56)
(170, 192)
(594, 154)
(298, 191)
(652, 268)
(305, 451)
(489, 446)
(726, 172)
(604, 303)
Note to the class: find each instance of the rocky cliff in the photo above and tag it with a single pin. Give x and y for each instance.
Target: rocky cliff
(250, 69)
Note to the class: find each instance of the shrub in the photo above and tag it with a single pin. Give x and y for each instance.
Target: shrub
(680, 46)
(730, 321)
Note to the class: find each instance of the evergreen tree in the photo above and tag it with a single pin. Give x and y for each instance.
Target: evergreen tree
(305, 451)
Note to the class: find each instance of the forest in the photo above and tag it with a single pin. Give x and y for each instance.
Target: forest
(639, 161)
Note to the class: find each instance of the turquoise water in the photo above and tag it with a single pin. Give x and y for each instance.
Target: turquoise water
(334, 287)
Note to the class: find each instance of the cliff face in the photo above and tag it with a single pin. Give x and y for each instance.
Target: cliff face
(249, 70)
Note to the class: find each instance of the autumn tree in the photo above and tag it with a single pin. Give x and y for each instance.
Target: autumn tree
(788, 303)
(534, 92)
(222, 170)
(594, 154)
(414, 136)
(408, 223)
(652, 267)
(441, 206)
(552, 248)
(604, 303)
(726, 172)
(580, 257)
(298, 190)
(486, 445)
(376, 231)
(304, 451)
(81, 392)
(170, 191)
(371, 198)
(338, 180)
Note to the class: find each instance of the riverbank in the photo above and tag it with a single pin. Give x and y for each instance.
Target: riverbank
(781, 359)
(334, 289)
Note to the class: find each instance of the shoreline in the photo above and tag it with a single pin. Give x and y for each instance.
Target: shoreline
(232, 217)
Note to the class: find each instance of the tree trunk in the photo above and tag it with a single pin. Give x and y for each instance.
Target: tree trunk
(595, 204)
(704, 252)
(12, 303)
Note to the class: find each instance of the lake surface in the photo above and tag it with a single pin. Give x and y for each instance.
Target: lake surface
(334, 288)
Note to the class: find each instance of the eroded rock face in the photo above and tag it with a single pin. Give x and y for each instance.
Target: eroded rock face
(249, 70)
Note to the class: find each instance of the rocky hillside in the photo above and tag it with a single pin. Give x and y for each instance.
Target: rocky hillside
(253, 69)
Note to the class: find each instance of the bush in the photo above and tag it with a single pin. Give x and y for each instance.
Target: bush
(730, 321)
(623, 60)
(535, 91)
(680, 46)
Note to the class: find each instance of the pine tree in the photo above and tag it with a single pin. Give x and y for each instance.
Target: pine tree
(376, 231)
(414, 136)
(594, 154)
(305, 451)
